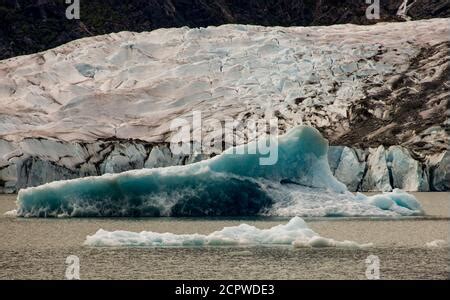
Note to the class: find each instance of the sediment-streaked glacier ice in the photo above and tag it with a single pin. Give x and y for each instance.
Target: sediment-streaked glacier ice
(296, 232)
(300, 183)
(127, 85)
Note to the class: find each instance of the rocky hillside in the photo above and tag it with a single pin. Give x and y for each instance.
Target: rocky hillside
(29, 26)
(379, 93)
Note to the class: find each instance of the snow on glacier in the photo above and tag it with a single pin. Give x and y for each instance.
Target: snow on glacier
(300, 183)
(296, 232)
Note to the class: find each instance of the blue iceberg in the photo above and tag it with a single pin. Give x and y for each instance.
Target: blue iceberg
(299, 183)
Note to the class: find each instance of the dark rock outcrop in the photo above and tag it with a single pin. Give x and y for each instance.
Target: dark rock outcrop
(29, 26)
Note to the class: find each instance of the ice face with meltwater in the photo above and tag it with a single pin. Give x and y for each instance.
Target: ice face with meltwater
(300, 183)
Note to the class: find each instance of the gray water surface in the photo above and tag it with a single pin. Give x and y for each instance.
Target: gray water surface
(37, 248)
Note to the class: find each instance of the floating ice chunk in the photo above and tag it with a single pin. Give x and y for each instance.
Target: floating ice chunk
(295, 232)
(299, 183)
(228, 184)
(397, 201)
(437, 244)
(12, 213)
(308, 202)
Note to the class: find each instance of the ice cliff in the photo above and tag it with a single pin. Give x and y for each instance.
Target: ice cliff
(103, 104)
(33, 162)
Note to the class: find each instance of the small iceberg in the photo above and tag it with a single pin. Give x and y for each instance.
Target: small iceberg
(437, 244)
(295, 233)
(300, 183)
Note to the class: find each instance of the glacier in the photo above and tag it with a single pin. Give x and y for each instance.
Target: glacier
(102, 104)
(296, 233)
(300, 183)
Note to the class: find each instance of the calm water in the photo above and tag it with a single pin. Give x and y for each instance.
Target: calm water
(37, 248)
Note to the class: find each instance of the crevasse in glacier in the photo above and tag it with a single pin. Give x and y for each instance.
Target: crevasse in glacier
(300, 183)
